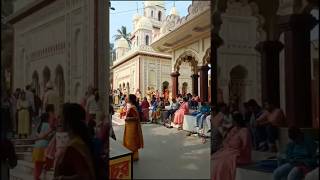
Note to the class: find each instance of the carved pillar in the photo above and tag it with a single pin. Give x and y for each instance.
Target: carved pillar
(204, 82)
(296, 29)
(175, 83)
(270, 70)
(194, 78)
(214, 66)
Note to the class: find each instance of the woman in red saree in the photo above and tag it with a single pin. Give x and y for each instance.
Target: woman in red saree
(236, 151)
(179, 114)
(76, 161)
(145, 109)
(132, 138)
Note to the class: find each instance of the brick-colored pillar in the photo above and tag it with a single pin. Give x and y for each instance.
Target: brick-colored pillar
(175, 83)
(296, 29)
(204, 82)
(194, 78)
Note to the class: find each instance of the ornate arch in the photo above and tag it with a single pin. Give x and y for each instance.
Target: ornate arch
(35, 82)
(189, 57)
(46, 73)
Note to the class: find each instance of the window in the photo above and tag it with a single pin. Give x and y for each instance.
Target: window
(137, 41)
(151, 13)
(147, 40)
(159, 15)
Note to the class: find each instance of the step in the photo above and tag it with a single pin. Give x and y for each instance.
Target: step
(24, 166)
(27, 156)
(24, 148)
(22, 141)
(17, 174)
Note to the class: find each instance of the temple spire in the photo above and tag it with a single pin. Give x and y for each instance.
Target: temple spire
(137, 7)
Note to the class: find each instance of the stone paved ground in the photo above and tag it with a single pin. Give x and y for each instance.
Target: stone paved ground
(169, 154)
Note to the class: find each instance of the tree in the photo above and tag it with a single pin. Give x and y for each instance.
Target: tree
(123, 33)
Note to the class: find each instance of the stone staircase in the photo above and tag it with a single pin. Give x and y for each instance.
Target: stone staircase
(24, 168)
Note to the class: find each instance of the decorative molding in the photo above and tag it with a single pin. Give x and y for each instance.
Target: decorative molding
(173, 22)
(52, 50)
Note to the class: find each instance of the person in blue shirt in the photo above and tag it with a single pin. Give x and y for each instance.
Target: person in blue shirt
(41, 143)
(299, 157)
(201, 116)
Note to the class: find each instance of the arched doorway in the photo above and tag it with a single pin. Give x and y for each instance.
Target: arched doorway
(60, 85)
(35, 82)
(165, 90)
(46, 76)
(128, 88)
(238, 75)
(184, 89)
(190, 57)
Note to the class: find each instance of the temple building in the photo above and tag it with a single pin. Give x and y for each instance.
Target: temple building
(138, 65)
(256, 56)
(54, 41)
(188, 40)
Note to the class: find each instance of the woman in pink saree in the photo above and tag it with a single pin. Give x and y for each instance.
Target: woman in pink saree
(179, 115)
(236, 151)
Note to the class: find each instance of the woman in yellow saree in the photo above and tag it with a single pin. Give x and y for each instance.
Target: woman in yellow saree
(132, 138)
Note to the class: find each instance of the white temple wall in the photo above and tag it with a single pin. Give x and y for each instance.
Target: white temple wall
(55, 35)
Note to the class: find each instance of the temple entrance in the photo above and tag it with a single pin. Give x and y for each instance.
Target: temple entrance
(238, 76)
(184, 88)
(60, 86)
(190, 58)
(46, 76)
(35, 82)
(165, 91)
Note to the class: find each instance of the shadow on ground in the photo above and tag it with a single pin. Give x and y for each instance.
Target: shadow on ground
(170, 154)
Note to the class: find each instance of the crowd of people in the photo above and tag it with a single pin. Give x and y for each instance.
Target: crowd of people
(236, 132)
(26, 107)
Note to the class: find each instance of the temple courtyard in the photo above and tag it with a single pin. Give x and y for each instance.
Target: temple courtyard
(168, 154)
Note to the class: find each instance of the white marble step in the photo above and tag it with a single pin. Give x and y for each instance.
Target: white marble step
(27, 156)
(24, 170)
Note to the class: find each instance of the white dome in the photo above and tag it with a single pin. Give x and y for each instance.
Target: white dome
(174, 11)
(136, 17)
(153, 3)
(122, 43)
(144, 23)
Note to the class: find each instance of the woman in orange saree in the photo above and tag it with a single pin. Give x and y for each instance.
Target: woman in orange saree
(132, 138)
(236, 151)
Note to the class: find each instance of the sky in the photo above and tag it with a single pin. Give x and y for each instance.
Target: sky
(119, 17)
(124, 11)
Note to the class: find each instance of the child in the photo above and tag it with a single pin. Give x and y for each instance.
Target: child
(41, 143)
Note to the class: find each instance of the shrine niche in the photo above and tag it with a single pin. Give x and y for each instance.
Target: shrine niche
(237, 92)
(184, 88)
(35, 82)
(60, 85)
(165, 90)
(46, 76)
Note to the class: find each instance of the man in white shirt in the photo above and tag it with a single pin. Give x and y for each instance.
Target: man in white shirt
(51, 97)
